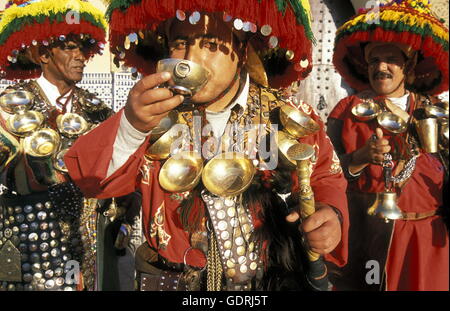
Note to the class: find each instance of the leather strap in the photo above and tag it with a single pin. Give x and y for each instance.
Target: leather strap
(418, 216)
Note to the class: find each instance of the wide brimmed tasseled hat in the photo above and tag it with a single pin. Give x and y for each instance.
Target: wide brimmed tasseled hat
(40, 22)
(279, 30)
(411, 26)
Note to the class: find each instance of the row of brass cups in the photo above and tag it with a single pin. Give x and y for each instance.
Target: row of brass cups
(40, 142)
(227, 174)
(430, 128)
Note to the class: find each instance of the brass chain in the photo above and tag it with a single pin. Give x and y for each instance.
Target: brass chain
(214, 267)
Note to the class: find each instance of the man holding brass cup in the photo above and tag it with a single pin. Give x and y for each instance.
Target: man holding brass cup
(392, 138)
(217, 215)
(47, 227)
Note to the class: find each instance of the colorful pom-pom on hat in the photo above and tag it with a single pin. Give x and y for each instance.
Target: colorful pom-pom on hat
(31, 23)
(280, 32)
(405, 23)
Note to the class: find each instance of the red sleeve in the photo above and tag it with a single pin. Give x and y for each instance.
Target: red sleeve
(89, 158)
(340, 110)
(329, 185)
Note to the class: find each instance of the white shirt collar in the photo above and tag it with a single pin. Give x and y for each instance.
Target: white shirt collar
(219, 120)
(401, 102)
(52, 92)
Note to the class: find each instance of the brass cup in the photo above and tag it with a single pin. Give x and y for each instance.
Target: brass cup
(228, 174)
(181, 172)
(187, 77)
(433, 111)
(297, 123)
(42, 143)
(164, 125)
(16, 101)
(58, 161)
(71, 125)
(366, 111)
(391, 123)
(285, 141)
(161, 148)
(22, 124)
(385, 206)
(428, 134)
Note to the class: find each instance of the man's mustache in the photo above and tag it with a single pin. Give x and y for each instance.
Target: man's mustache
(382, 75)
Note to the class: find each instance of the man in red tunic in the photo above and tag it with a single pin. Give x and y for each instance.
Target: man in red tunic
(197, 238)
(396, 69)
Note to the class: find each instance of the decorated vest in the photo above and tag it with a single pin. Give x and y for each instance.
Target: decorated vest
(47, 227)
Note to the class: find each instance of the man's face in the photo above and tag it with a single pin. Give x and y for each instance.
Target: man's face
(67, 62)
(210, 44)
(387, 70)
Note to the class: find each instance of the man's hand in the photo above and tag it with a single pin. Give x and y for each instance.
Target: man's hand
(371, 153)
(322, 230)
(147, 105)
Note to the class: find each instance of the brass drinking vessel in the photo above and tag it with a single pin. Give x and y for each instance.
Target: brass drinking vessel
(16, 101)
(297, 123)
(42, 143)
(187, 77)
(366, 111)
(228, 174)
(164, 125)
(433, 111)
(181, 172)
(161, 148)
(71, 125)
(391, 123)
(25, 122)
(428, 134)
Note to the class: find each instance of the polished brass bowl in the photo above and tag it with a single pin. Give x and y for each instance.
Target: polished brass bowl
(187, 77)
(71, 125)
(58, 161)
(297, 123)
(42, 143)
(161, 148)
(228, 174)
(24, 123)
(392, 123)
(285, 141)
(164, 125)
(16, 101)
(181, 172)
(433, 111)
(366, 111)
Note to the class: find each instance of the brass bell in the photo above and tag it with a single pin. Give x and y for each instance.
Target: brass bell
(385, 206)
